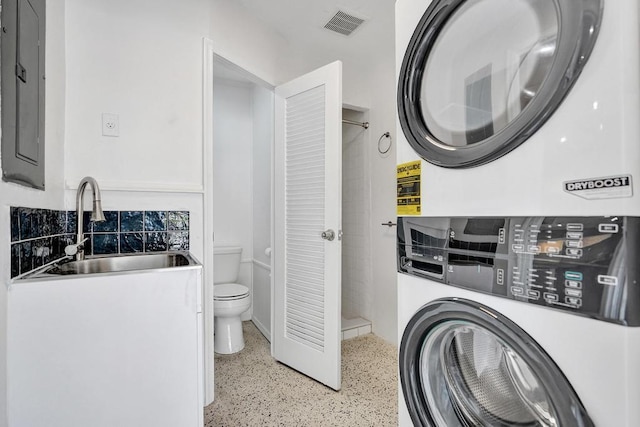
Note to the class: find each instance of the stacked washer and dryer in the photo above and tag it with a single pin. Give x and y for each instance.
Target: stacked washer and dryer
(518, 271)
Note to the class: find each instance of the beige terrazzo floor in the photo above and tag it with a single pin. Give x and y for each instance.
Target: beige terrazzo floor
(252, 389)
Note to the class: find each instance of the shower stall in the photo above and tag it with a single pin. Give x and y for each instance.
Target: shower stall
(357, 291)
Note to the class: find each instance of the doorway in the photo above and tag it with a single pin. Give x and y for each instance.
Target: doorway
(243, 129)
(242, 136)
(242, 140)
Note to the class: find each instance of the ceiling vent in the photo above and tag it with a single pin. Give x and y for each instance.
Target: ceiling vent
(343, 23)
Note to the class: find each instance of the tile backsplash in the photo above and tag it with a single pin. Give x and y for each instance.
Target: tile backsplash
(39, 236)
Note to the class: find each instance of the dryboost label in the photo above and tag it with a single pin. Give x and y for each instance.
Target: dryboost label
(408, 178)
(607, 187)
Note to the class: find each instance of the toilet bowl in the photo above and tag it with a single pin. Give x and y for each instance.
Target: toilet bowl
(230, 300)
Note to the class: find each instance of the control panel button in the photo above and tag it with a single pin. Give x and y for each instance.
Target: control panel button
(534, 249)
(573, 275)
(501, 236)
(574, 252)
(500, 276)
(575, 227)
(607, 280)
(574, 243)
(574, 235)
(517, 248)
(533, 294)
(608, 228)
(573, 292)
(549, 297)
(574, 301)
(517, 291)
(573, 284)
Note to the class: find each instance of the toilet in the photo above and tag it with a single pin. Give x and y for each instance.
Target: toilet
(230, 300)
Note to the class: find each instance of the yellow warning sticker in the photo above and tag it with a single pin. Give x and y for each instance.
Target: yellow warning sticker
(409, 188)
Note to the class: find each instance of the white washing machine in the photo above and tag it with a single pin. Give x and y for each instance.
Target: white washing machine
(517, 287)
(520, 107)
(494, 337)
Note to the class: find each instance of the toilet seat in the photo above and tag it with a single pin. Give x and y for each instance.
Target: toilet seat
(230, 292)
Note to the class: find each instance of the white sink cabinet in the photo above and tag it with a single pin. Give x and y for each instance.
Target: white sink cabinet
(118, 349)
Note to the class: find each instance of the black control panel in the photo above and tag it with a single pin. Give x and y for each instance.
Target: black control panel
(584, 265)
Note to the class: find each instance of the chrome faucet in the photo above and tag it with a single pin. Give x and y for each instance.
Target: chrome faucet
(96, 215)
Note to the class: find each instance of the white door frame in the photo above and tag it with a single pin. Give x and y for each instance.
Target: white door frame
(208, 56)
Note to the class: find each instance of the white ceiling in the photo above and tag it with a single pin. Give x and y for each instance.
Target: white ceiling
(301, 23)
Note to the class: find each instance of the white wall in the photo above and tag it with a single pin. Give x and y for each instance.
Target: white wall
(262, 108)
(52, 197)
(233, 165)
(141, 60)
(233, 170)
(383, 197)
(263, 122)
(243, 39)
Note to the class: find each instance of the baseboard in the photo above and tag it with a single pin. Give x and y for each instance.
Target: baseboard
(264, 331)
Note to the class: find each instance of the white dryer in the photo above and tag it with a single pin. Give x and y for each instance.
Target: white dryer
(520, 107)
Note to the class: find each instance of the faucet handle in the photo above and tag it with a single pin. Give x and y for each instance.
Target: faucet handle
(73, 249)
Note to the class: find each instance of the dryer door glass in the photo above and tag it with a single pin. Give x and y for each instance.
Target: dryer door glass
(464, 364)
(480, 76)
(472, 91)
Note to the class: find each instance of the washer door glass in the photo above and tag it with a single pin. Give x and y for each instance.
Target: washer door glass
(467, 368)
(480, 76)
(463, 364)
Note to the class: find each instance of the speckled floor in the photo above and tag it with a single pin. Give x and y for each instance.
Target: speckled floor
(252, 389)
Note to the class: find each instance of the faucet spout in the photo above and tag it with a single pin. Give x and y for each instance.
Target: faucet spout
(96, 214)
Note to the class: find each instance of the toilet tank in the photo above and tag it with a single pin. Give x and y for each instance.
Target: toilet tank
(226, 264)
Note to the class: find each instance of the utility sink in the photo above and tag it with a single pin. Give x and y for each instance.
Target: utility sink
(112, 264)
(116, 331)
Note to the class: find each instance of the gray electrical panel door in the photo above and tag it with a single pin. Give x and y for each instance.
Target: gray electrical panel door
(23, 90)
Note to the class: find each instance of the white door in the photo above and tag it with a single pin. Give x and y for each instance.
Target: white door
(307, 224)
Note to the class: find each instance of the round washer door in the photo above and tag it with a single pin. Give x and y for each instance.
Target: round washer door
(464, 364)
(479, 77)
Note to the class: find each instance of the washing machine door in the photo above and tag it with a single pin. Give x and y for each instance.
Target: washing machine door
(464, 364)
(479, 77)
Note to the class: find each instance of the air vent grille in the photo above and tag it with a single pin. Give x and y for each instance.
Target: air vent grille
(343, 23)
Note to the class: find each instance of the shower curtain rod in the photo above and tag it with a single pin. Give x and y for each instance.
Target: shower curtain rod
(351, 122)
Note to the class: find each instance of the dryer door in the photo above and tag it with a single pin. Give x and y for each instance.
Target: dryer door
(479, 77)
(464, 364)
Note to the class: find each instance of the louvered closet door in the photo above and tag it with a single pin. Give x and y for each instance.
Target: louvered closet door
(307, 202)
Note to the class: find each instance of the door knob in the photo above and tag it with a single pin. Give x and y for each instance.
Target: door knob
(328, 235)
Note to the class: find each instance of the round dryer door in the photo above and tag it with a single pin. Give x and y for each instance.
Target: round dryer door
(479, 77)
(463, 364)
